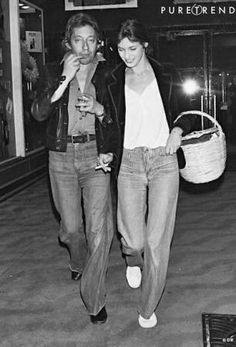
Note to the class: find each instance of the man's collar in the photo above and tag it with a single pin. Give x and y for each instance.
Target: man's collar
(98, 57)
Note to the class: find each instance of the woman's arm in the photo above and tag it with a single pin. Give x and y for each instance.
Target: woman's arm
(174, 140)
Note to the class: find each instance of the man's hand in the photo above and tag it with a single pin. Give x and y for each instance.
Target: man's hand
(103, 161)
(71, 65)
(91, 105)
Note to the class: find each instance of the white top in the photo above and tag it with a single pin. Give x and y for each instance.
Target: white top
(146, 124)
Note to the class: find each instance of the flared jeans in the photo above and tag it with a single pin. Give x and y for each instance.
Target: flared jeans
(148, 185)
(74, 179)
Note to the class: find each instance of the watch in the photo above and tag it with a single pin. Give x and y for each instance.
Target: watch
(62, 79)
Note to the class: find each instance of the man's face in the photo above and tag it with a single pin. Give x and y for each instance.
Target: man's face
(84, 43)
(131, 52)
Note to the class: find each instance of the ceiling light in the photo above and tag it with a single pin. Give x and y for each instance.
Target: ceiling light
(190, 86)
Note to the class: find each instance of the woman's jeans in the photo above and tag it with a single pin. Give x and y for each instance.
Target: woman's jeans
(73, 180)
(148, 185)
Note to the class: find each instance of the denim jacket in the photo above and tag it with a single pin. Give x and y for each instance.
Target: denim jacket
(57, 112)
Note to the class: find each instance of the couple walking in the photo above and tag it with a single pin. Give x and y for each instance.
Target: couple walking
(122, 120)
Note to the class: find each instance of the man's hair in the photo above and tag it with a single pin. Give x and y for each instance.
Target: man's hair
(77, 21)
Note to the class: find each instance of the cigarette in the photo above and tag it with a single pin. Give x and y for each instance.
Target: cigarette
(102, 166)
(63, 59)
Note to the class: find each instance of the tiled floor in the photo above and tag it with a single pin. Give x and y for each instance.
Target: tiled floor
(41, 306)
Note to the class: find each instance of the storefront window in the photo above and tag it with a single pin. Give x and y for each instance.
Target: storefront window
(21, 64)
(32, 62)
(11, 126)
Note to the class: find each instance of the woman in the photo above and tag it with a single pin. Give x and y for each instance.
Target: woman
(142, 97)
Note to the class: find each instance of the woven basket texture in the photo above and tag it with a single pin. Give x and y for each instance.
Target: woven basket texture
(204, 151)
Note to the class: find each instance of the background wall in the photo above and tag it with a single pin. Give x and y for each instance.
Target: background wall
(157, 15)
(149, 11)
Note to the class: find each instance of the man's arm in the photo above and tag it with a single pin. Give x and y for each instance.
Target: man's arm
(53, 87)
(71, 65)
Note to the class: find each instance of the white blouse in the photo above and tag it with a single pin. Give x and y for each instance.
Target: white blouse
(146, 124)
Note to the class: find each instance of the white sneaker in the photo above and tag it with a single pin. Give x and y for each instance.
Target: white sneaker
(148, 323)
(133, 276)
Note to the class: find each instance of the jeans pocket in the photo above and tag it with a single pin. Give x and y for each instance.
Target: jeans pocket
(59, 161)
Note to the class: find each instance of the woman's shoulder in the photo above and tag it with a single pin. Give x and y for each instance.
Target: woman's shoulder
(154, 62)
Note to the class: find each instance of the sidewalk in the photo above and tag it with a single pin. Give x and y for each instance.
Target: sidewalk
(41, 306)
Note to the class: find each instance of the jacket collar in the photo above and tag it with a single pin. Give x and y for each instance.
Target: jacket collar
(119, 70)
(116, 90)
(117, 82)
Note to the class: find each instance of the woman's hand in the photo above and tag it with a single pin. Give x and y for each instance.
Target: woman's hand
(174, 141)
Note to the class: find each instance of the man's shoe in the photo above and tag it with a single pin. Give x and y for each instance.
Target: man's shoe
(75, 275)
(133, 276)
(148, 323)
(100, 318)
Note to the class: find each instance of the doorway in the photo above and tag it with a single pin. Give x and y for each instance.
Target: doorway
(206, 61)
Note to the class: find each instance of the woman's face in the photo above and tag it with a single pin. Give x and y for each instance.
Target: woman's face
(131, 52)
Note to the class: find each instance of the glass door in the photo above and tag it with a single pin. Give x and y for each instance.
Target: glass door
(224, 82)
(206, 62)
(32, 63)
(11, 118)
(185, 50)
(207, 65)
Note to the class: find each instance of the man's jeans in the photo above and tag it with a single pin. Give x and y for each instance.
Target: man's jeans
(74, 178)
(148, 185)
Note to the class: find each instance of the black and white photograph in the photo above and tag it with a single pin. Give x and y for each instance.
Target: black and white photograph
(117, 173)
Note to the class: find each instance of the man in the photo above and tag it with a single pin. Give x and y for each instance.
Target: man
(80, 136)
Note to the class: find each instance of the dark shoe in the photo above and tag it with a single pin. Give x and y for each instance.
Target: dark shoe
(100, 318)
(75, 275)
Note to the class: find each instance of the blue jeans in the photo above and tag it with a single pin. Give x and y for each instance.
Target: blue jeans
(148, 186)
(73, 179)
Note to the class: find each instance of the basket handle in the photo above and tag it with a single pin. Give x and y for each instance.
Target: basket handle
(200, 113)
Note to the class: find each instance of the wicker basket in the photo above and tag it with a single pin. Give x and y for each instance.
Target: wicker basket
(204, 151)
